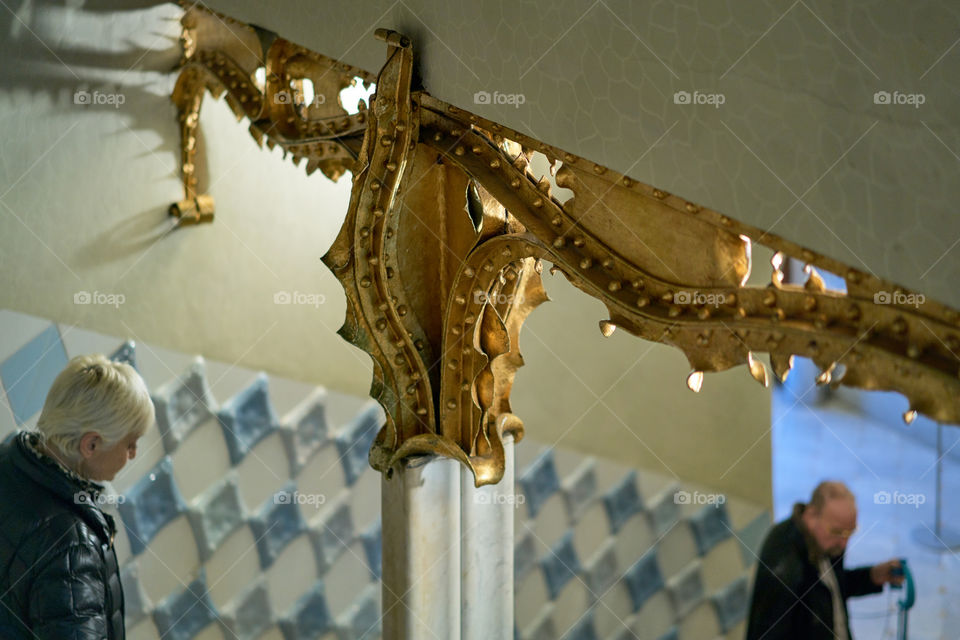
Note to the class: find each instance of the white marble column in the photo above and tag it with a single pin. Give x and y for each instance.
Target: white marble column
(486, 590)
(420, 507)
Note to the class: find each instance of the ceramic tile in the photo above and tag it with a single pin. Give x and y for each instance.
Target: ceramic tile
(182, 404)
(247, 418)
(331, 534)
(354, 441)
(324, 475)
(309, 617)
(150, 504)
(539, 481)
(202, 461)
(583, 629)
(136, 603)
(590, 532)
(560, 565)
(676, 549)
(291, 574)
(233, 565)
(264, 471)
(276, 523)
(635, 540)
(622, 501)
(722, 565)
(731, 603)
(350, 574)
(250, 615)
(602, 570)
(29, 372)
(530, 599)
(664, 511)
(215, 515)
(613, 613)
(524, 557)
(643, 579)
(305, 428)
(656, 617)
(183, 614)
(170, 561)
(686, 589)
(542, 627)
(551, 521)
(364, 497)
(372, 539)
(362, 619)
(710, 526)
(701, 622)
(580, 489)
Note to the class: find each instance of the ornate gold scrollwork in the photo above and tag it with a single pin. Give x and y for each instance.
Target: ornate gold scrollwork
(263, 77)
(441, 255)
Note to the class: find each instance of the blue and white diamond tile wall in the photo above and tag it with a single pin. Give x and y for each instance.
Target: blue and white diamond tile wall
(150, 505)
(209, 551)
(354, 442)
(182, 615)
(183, 404)
(539, 482)
(276, 524)
(305, 429)
(606, 551)
(622, 501)
(215, 514)
(135, 600)
(247, 418)
(309, 617)
(250, 615)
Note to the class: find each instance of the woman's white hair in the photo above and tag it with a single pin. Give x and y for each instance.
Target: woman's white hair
(95, 394)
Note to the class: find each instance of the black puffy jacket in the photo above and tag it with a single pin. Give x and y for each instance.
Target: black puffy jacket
(59, 578)
(789, 601)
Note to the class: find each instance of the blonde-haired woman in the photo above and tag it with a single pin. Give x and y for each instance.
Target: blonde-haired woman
(59, 577)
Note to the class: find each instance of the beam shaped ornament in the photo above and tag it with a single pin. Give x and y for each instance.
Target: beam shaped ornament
(442, 251)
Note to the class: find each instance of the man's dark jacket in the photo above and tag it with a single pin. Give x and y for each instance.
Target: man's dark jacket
(789, 601)
(58, 569)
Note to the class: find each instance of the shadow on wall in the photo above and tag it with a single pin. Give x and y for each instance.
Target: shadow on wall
(54, 50)
(113, 58)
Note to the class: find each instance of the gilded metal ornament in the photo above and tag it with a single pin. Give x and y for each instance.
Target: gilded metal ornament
(441, 253)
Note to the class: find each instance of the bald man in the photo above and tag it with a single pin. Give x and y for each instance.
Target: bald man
(802, 588)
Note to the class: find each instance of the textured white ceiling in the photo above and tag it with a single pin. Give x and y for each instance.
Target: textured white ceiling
(798, 146)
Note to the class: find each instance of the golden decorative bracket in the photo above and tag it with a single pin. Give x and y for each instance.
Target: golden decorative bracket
(441, 254)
